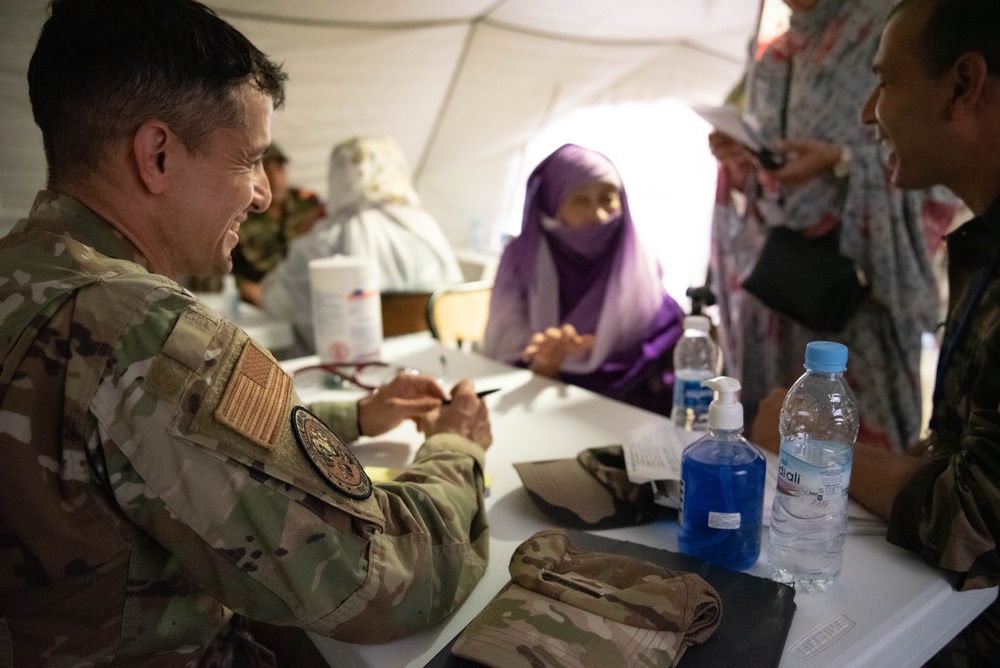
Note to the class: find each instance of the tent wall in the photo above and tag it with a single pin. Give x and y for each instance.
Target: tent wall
(462, 84)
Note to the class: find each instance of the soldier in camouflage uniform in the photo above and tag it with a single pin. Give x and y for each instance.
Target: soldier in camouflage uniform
(161, 479)
(264, 236)
(937, 107)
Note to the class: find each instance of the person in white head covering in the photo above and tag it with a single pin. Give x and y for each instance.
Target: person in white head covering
(372, 211)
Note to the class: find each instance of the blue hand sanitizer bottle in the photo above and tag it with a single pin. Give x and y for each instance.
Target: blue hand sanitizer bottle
(722, 486)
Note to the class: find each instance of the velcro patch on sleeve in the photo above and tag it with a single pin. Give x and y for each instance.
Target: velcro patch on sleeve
(255, 401)
(329, 456)
(185, 351)
(190, 338)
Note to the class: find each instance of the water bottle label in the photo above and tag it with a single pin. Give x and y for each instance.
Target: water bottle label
(691, 395)
(799, 478)
(723, 520)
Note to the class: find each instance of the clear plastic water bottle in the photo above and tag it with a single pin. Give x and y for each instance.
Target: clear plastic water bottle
(818, 424)
(696, 358)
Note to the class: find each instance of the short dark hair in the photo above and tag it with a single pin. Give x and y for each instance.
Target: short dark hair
(955, 27)
(102, 68)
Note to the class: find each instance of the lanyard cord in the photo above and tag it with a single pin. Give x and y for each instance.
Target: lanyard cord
(944, 360)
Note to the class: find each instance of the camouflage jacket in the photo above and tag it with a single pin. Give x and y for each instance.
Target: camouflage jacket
(948, 509)
(264, 237)
(160, 474)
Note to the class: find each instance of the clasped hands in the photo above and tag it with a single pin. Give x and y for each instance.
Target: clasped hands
(420, 398)
(549, 349)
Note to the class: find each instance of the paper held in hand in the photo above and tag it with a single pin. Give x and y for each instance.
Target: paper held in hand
(727, 120)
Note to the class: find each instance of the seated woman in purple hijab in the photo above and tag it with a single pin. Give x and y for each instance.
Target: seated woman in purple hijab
(576, 296)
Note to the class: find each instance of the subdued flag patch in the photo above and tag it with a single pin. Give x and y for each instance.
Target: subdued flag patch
(256, 399)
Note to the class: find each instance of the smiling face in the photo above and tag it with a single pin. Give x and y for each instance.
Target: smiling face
(590, 204)
(909, 107)
(216, 187)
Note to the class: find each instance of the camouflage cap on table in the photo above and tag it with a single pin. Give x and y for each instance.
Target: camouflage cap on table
(569, 608)
(591, 491)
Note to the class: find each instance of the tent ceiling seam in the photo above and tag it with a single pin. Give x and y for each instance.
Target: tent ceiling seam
(484, 18)
(592, 41)
(492, 8)
(349, 25)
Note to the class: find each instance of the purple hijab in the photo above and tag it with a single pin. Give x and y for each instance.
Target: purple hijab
(598, 278)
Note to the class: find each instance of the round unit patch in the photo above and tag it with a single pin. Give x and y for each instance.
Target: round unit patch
(329, 456)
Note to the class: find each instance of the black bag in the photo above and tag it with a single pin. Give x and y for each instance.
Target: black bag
(807, 280)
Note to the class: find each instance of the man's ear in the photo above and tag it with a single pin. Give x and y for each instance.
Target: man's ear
(150, 146)
(969, 74)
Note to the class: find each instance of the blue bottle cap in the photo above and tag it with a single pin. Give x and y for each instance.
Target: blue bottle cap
(826, 356)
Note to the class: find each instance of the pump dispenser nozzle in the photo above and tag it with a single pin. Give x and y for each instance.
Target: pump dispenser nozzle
(724, 412)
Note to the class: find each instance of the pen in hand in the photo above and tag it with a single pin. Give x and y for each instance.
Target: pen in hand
(480, 394)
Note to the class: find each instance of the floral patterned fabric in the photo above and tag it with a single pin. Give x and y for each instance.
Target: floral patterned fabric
(813, 81)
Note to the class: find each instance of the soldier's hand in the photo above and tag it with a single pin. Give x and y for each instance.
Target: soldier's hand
(466, 416)
(405, 397)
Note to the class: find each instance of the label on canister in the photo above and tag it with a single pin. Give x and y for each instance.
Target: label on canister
(346, 309)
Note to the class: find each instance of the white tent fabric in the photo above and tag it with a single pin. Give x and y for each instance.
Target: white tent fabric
(464, 85)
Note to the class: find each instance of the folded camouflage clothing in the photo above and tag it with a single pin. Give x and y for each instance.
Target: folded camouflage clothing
(568, 608)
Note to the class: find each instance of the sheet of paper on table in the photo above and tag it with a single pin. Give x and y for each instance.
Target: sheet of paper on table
(653, 455)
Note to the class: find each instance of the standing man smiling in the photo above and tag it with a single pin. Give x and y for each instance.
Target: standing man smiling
(160, 478)
(937, 110)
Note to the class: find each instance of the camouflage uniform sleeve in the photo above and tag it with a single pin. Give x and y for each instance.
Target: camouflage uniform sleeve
(341, 416)
(947, 511)
(200, 434)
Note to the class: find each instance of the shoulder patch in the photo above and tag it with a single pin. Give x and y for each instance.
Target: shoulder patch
(256, 397)
(329, 456)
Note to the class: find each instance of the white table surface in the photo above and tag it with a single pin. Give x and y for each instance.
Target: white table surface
(888, 608)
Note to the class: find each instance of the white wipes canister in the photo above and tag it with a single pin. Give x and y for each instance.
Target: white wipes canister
(346, 309)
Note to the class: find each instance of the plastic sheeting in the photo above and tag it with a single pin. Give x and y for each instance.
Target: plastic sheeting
(463, 85)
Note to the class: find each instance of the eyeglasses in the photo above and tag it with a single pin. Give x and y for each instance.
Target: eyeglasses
(366, 375)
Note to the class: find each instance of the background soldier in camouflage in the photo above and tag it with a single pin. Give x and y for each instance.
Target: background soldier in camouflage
(160, 477)
(264, 236)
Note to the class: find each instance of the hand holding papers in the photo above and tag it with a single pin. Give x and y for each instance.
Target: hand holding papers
(727, 120)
